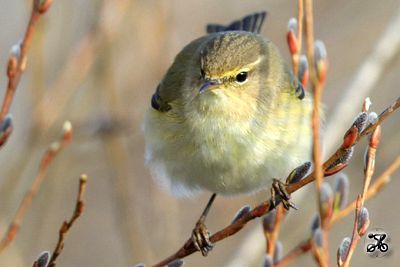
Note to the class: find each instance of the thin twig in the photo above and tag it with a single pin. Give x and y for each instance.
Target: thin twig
(79, 207)
(355, 237)
(316, 87)
(47, 159)
(294, 253)
(264, 207)
(17, 63)
(369, 169)
(295, 58)
(272, 237)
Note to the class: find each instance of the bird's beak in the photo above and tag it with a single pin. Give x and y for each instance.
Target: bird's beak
(208, 84)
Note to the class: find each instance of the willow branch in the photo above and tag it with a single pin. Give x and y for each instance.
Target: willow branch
(26, 202)
(66, 226)
(375, 187)
(17, 61)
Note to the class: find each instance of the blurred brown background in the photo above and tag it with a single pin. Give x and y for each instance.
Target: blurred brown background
(96, 63)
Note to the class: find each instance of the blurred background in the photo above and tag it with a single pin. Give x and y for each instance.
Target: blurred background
(97, 63)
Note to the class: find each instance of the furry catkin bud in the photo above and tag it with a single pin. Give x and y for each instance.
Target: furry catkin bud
(6, 128)
(315, 223)
(360, 121)
(341, 192)
(343, 250)
(278, 253)
(291, 36)
(268, 262)
(320, 58)
(326, 198)
(372, 117)
(304, 73)
(269, 221)
(318, 238)
(363, 221)
(375, 136)
(340, 163)
(43, 259)
(298, 173)
(176, 263)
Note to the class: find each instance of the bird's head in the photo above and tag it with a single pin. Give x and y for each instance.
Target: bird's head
(233, 73)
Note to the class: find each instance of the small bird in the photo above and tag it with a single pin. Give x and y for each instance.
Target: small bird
(227, 117)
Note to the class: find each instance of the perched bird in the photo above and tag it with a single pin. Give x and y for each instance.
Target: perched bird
(228, 116)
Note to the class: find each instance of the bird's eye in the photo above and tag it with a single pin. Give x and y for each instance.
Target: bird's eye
(241, 77)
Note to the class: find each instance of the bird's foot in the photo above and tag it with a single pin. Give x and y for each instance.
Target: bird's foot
(201, 238)
(279, 194)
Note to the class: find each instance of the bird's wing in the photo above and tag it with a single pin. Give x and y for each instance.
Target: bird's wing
(250, 23)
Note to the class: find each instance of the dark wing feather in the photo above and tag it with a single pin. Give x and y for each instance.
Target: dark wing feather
(158, 103)
(250, 23)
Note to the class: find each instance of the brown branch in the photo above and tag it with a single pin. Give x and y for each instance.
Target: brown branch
(264, 207)
(317, 85)
(17, 61)
(294, 253)
(369, 169)
(42, 260)
(376, 187)
(66, 226)
(47, 159)
(355, 237)
(272, 237)
(339, 152)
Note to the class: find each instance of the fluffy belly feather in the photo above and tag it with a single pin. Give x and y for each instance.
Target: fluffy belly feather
(223, 156)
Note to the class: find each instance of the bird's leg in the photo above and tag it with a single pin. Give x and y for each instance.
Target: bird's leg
(200, 234)
(279, 194)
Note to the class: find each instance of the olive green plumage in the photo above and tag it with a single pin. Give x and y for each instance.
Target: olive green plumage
(227, 117)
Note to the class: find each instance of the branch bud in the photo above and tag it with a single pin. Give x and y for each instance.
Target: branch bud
(278, 253)
(363, 221)
(291, 36)
(321, 60)
(43, 259)
(372, 117)
(6, 128)
(326, 198)
(341, 192)
(315, 223)
(269, 221)
(375, 136)
(176, 263)
(343, 250)
(298, 173)
(318, 238)
(304, 73)
(268, 262)
(340, 163)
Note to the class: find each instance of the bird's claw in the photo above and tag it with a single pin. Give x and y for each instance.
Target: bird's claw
(279, 194)
(201, 238)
